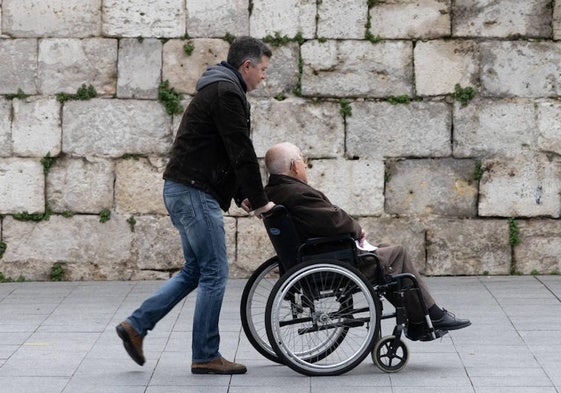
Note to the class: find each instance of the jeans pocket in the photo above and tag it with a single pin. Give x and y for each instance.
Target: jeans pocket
(178, 201)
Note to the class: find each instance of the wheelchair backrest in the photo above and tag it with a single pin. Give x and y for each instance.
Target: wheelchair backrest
(286, 242)
(283, 236)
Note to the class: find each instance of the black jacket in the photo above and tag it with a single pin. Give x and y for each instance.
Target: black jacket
(313, 214)
(212, 150)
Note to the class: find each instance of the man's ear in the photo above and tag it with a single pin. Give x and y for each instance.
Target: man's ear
(245, 65)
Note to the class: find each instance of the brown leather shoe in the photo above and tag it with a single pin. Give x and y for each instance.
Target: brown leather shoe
(132, 341)
(218, 366)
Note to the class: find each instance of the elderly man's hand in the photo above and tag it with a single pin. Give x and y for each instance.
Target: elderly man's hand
(263, 209)
(362, 237)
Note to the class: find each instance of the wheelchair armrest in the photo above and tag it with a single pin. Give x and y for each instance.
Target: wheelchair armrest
(330, 246)
(331, 239)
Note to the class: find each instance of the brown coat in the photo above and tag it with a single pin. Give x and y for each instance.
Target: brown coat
(313, 214)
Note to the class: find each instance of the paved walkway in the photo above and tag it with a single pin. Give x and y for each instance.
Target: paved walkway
(60, 337)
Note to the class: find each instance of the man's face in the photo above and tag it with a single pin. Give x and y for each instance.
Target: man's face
(252, 74)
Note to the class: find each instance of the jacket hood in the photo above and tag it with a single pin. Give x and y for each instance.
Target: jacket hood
(222, 72)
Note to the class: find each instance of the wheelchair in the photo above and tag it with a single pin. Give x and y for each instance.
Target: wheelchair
(309, 307)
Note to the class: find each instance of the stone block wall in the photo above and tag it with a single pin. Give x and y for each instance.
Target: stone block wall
(376, 93)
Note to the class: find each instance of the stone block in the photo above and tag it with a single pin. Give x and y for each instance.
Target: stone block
(440, 65)
(468, 247)
(182, 70)
(139, 68)
(540, 247)
(528, 185)
(342, 19)
(5, 128)
(380, 129)
(18, 68)
(217, 18)
(549, 126)
(65, 64)
(89, 249)
(157, 243)
(22, 186)
(521, 68)
(356, 186)
(230, 229)
(409, 233)
(138, 18)
(287, 18)
(503, 18)
(357, 68)
(314, 126)
(36, 127)
(487, 127)
(282, 74)
(418, 19)
(443, 187)
(80, 185)
(53, 18)
(557, 21)
(253, 246)
(139, 186)
(115, 127)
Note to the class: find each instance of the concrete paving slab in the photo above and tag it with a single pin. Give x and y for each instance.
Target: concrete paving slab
(60, 338)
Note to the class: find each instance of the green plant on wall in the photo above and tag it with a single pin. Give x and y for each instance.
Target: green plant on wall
(346, 109)
(3, 247)
(188, 48)
(3, 278)
(367, 34)
(57, 272)
(276, 39)
(132, 222)
(47, 162)
(104, 216)
(25, 216)
(84, 93)
(513, 232)
(402, 99)
(463, 94)
(170, 98)
(478, 171)
(19, 95)
(229, 38)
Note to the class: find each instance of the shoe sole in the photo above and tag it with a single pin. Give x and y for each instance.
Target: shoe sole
(123, 335)
(200, 370)
(456, 327)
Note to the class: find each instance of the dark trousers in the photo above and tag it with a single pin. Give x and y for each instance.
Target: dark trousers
(395, 260)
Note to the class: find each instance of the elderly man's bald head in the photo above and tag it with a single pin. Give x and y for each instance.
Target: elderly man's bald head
(279, 157)
(286, 159)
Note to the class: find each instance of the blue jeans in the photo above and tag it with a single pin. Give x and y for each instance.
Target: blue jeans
(198, 218)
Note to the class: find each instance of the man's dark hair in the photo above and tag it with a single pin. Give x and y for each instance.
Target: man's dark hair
(247, 48)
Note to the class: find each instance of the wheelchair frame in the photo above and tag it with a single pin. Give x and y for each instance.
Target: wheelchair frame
(312, 310)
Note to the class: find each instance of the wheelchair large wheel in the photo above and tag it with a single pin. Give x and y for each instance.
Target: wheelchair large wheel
(322, 318)
(253, 304)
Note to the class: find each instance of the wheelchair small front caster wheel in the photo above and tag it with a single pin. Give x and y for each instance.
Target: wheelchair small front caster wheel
(390, 355)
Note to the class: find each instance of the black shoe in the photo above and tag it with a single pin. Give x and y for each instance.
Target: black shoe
(450, 322)
(421, 333)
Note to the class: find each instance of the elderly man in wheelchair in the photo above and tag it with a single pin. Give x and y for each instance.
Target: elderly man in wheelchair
(323, 315)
